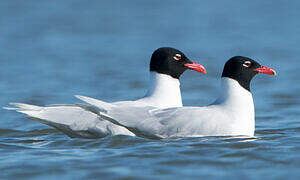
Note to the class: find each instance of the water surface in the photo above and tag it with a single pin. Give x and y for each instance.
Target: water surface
(52, 50)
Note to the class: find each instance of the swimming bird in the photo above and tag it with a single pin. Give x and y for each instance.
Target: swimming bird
(166, 66)
(232, 114)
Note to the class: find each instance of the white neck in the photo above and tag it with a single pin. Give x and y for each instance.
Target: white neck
(163, 91)
(239, 102)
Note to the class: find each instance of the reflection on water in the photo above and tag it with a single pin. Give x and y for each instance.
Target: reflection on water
(52, 50)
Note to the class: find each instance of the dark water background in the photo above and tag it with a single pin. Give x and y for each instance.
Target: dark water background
(52, 50)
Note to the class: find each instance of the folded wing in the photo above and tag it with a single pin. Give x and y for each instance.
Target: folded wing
(71, 120)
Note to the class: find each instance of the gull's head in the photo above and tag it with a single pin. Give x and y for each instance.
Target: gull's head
(172, 62)
(243, 69)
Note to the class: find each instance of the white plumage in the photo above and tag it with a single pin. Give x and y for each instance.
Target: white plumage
(164, 92)
(231, 114)
(166, 66)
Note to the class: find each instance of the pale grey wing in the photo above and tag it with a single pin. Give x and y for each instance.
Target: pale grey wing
(140, 120)
(194, 121)
(182, 122)
(127, 115)
(71, 120)
(135, 118)
(132, 111)
(101, 105)
(174, 122)
(104, 110)
(151, 122)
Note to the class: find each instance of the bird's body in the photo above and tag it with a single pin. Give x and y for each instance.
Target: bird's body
(232, 114)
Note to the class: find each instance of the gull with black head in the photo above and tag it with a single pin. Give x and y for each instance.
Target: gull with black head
(232, 114)
(166, 67)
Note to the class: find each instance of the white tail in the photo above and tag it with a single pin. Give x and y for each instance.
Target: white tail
(23, 107)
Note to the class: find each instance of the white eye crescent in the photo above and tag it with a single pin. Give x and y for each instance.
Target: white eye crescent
(247, 64)
(177, 57)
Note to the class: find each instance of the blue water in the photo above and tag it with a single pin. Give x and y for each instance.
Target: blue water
(52, 50)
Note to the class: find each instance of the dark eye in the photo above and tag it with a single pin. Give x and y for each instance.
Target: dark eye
(247, 64)
(177, 57)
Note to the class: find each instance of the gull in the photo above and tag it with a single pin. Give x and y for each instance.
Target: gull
(166, 67)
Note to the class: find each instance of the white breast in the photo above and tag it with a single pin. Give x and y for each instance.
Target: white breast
(163, 91)
(237, 102)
